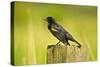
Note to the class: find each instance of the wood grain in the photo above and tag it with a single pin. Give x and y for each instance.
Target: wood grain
(62, 54)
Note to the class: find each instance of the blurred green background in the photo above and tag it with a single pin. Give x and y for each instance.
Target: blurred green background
(31, 35)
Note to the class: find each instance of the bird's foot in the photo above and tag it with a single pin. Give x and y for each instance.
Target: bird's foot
(79, 46)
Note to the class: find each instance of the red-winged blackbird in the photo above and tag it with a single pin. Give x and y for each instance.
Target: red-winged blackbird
(59, 32)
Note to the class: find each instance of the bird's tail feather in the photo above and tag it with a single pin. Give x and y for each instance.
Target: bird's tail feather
(79, 45)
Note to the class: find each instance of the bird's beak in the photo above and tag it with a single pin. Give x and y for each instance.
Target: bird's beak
(44, 19)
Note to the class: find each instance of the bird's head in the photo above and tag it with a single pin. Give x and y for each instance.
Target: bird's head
(50, 19)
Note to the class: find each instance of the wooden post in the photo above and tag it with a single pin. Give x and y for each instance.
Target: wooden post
(61, 54)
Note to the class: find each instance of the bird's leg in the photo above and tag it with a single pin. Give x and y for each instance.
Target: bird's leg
(58, 43)
(79, 45)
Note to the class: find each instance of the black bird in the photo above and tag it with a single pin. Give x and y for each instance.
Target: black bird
(59, 32)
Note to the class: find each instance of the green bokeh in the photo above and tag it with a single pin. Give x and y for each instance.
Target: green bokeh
(31, 35)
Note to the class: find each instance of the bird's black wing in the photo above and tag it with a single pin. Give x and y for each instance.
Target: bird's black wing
(69, 36)
(59, 35)
(66, 33)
